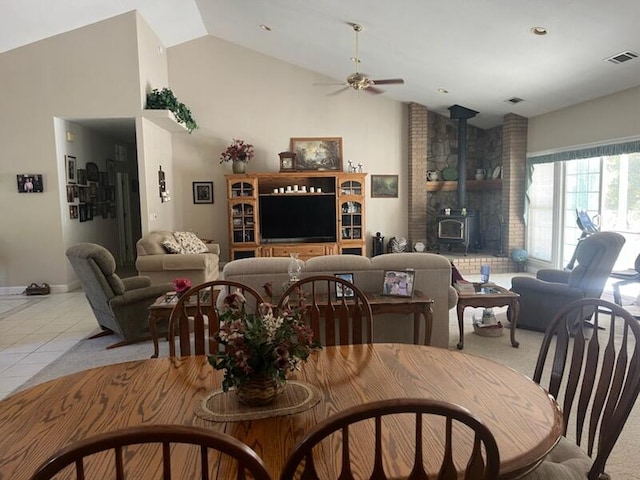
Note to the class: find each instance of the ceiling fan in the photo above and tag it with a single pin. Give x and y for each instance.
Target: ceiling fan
(360, 81)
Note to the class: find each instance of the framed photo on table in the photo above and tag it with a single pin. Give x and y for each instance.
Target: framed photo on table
(317, 153)
(398, 283)
(202, 192)
(341, 290)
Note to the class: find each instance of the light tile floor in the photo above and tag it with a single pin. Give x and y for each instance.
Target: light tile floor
(35, 331)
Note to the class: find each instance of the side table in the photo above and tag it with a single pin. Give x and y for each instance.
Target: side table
(488, 295)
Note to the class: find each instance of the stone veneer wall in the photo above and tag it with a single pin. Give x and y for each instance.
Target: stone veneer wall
(433, 146)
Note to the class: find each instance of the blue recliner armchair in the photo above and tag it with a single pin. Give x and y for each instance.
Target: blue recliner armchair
(541, 298)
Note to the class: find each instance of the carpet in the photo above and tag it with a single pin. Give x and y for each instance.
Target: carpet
(624, 462)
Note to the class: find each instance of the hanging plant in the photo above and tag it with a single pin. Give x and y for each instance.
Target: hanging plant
(165, 100)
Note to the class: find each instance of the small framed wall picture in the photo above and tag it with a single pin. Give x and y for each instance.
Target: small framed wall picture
(70, 164)
(30, 183)
(287, 161)
(202, 192)
(384, 186)
(398, 283)
(341, 290)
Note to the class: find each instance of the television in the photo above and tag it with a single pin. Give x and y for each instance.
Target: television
(297, 218)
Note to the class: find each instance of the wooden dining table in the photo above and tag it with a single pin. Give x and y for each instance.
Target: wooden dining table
(37, 422)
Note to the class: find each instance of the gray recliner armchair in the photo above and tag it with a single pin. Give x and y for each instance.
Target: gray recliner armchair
(541, 298)
(120, 305)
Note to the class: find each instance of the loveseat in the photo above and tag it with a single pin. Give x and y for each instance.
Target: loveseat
(156, 262)
(432, 278)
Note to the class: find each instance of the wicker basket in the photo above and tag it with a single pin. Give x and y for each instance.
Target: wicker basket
(489, 330)
(259, 391)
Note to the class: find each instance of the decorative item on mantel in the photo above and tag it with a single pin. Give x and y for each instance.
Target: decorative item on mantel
(259, 349)
(238, 153)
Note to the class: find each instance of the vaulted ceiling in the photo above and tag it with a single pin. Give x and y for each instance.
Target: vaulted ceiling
(482, 52)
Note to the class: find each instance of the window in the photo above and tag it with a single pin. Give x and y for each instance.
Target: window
(606, 187)
(540, 231)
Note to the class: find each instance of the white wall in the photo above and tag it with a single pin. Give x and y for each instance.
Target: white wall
(597, 121)
(87, 73)
(237, 93)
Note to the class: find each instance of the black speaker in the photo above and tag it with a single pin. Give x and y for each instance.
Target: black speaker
(378, 244)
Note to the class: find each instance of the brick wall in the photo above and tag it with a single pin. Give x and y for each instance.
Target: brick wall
(417, 173)
(514, 149)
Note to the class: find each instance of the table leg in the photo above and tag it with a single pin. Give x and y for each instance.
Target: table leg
(512, 315)
(427, 314)
(428, 323)
(460, 310)
(154, 335)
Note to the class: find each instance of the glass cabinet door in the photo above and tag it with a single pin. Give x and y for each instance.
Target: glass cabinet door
(243, 223)
(242, 189)
(351, 187)
(351, 213)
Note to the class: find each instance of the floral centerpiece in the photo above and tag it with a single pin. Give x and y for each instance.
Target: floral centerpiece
(238, 150)
(259, 349)
(181, 285)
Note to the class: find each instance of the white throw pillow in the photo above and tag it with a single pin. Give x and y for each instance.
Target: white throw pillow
(172, 246)
(190, 243)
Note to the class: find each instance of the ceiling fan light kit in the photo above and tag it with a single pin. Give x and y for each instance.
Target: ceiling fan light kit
(360, 81)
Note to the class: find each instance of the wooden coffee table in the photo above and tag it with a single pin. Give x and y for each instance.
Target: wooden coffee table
(489, 295)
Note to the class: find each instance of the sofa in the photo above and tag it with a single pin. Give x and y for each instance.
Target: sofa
(155, 261)
(432, 278)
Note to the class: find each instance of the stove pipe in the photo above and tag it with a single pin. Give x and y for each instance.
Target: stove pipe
(462, 114)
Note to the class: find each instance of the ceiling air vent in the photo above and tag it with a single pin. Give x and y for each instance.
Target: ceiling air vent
(622, 57)
(514, 100)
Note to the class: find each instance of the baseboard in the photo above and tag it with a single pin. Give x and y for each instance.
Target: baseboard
(18, 290)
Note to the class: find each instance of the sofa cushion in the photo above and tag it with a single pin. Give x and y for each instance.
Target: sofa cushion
(171, 246)
(190, 242)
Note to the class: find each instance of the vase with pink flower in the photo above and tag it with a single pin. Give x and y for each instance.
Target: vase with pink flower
(238, 153)
(181, 285)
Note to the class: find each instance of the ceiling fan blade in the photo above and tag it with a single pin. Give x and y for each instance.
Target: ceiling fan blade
(388, 81)
(339, 91)
(374, 90)
(328, 83)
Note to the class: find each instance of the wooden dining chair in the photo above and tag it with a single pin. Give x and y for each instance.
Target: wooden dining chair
(594, 373)
(169, 436)
(340, 318)
(428, 413)
(197, 312)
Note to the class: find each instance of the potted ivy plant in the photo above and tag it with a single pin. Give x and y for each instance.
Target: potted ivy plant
(165, 100)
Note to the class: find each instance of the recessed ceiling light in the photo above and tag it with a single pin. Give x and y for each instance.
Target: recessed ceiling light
(443, 90)
(266, 28)
(539, 31)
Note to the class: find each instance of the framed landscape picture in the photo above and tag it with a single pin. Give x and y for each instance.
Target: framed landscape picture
(384, 186)
(317, 153)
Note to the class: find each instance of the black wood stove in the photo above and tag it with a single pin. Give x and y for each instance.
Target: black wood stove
(460, 227)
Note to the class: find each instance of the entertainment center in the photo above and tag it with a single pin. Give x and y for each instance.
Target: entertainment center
(310, 213)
